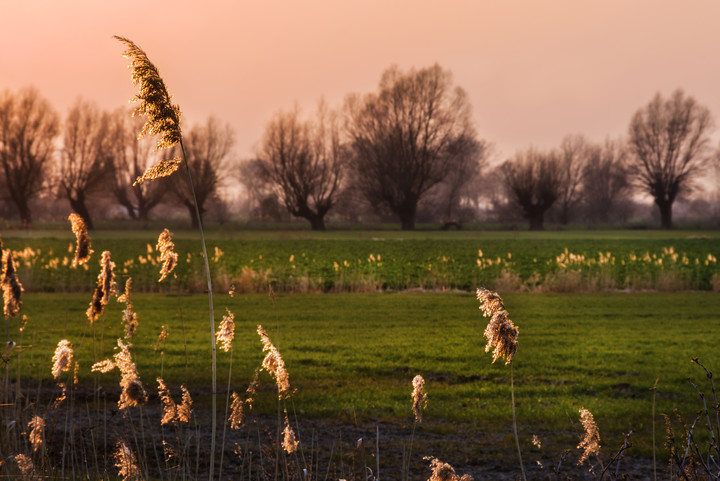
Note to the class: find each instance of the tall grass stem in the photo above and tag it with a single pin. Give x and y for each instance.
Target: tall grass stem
(212, 316)
(517, 439)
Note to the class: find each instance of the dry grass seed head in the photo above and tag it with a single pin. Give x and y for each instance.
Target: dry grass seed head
(161, 338)
(444, 472)
(104, 289)
(126, 462)
(590, 443)
(163, 118)
(103, 366)
(169, 406)
(419, 397)
(500, 332)
(274, 364)
(290, 442)
(133, 392)
(129, 315)
(167, 253)
(62, 359)
(83, 249)
(35, 435)
(226, 331)
(11, 286)
(185, 408)
(237, 413)
(27, 468)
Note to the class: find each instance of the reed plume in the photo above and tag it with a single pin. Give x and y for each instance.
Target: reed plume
(500, 332)
(126, 462)
(133, 393)
(163, 118)
(104, 289)
(62, 359)
(83, 249)
(419, 397)
(226, 331)
(35, 435)
(27, 468)
(290, 442)
(237, 412)
(167, 254)
(162, 338)
(590, 443)
(169, 406)
(129, 315)
(502, 335)
(274, 364)
(11, 286)
(444, 472)
(103, 366)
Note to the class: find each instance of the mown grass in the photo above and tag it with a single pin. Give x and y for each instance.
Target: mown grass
(353, 356)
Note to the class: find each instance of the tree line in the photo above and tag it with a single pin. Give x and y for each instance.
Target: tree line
(407, 150)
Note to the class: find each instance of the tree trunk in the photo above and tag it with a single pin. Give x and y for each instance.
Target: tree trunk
(78, 205)
(191, 210)
(537, 220)
(407, 213)
(665, 213)
(317, 222)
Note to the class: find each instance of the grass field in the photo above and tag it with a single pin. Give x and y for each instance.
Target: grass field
(352, 261)
(592, 334)
(353, 356)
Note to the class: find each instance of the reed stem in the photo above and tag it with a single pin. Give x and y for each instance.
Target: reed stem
(517, 439)
(212, 316)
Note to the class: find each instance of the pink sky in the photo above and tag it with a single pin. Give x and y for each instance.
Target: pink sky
(534, 70)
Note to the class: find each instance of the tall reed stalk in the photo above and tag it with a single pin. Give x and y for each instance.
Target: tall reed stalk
(163, 119)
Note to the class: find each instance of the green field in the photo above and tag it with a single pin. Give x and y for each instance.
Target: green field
(353, 356)
(602, 316)
(357, 261)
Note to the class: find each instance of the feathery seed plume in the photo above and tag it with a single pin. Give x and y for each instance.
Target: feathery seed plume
(36, 427)
(104, 289)
(27, 468)
(103, 366)
(237, 413)
(83, 249)
(226, 331)
(419, 397)
(590, 443)
(11, 286)
(444, 472)
(62, 359)
(163, 117)
(500, 332)
(161, 338)
(167, 254)
(169, 406)
(185, 408)
(290, 442)
(126, 462)
(129, 314)
(133, 392)
(274, 364)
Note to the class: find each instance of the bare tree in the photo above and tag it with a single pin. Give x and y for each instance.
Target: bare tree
(28, 128)
(533, 180)
(304, 159)
(669, 140)
(408, 137)
(606, 186)
(572, 158)
(86, 157)
(130, 158)
(207, 148)
(456, 199)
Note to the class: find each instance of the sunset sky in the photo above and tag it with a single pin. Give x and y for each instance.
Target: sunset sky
(534, 70)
